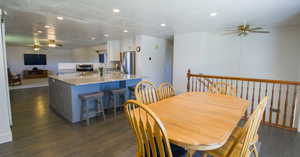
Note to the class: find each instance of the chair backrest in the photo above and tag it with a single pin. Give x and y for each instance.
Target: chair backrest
(151, 136)
(251, 128)
(222, 88)
(166, 90)
(146, 92)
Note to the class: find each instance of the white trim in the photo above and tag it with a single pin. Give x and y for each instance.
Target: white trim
(298, 126)
(5, 131)
(6, 74)
(5, 137)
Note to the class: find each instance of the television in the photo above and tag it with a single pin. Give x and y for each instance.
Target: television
(35, 59)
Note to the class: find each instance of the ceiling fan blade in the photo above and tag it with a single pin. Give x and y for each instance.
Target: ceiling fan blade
(259, 31)
(229, 33)
(242, 34)
(59, 45)
(230, 30)
(255, 28)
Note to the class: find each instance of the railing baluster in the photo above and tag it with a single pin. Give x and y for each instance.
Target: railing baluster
(293, 107)
(278, 106)
(247, 97)
(266, 94)
(197, 85)
(285, 105)
(188, 78)
(193, 79)
(226, 81)
(236, 87)
(259, 92)
(242, 89)
(208, 84)
(252, 105)
(271, 108)
(201, 81)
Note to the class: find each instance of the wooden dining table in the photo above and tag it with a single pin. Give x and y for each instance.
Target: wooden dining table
(198, 120)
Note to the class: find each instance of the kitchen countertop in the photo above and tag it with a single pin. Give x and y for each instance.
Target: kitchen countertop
(78, 79)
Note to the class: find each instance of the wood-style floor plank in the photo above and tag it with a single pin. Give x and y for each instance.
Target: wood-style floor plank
(39, 132)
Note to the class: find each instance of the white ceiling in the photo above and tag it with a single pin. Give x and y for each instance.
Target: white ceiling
(84, 19)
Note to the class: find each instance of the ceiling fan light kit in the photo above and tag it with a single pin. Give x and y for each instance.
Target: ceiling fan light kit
(52, 43)
(36, 47)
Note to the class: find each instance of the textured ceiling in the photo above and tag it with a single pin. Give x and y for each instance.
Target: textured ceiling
(84, 19)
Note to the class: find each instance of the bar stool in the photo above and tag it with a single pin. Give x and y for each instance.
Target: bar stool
(86, 112)
(116, 99)
(131, 92)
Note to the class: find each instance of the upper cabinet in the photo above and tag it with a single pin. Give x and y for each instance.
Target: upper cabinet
(114, 49)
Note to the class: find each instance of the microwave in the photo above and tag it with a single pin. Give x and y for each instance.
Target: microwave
(84, 67)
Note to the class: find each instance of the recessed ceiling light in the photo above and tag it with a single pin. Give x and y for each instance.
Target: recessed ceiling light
(106, 35)
(40, 31)
(125, 31)
(93, 38)
(213, 14)
(60, 18)
(47, 26)
(163, 25)
(116, 10)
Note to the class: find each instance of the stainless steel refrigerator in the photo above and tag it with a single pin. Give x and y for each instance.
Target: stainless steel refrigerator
(128, 62)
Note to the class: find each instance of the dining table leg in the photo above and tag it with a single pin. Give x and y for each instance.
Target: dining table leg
(190, 153)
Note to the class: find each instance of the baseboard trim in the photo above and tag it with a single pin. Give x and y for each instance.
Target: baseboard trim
(5, 137)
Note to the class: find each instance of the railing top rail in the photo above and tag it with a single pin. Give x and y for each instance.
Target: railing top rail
(244, 79)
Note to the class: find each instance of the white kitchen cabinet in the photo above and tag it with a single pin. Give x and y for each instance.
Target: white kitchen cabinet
(114, 49)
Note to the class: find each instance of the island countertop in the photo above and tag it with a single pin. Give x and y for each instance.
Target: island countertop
(78, 79)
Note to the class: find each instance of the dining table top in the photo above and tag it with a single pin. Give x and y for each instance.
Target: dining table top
(198, 120)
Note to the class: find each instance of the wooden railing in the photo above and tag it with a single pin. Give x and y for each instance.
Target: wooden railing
(283, 96)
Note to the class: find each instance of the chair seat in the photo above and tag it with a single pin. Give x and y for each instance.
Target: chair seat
(238, 132)
(224, 150)
(93, 95)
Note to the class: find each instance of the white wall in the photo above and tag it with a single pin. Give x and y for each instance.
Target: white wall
(158, 69)
(15, 58)
(271, 56)
(87, 54)
(128, 44)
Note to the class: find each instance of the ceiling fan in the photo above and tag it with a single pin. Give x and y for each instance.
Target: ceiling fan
(246, 29)
(44, 44)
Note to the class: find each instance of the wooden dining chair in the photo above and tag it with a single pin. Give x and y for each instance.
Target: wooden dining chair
(222, 88)
(242, 145)
(166, 90)
(151, 136)
(146, 92)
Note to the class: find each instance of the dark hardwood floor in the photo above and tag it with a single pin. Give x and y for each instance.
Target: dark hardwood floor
(39, 132)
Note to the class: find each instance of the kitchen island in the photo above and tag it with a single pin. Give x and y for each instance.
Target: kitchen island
(64, 90)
